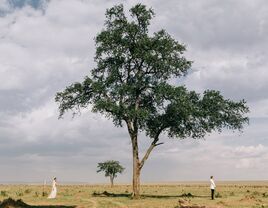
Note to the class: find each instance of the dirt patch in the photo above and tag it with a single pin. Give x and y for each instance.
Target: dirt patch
(11, 203)
(94, 203)
(187, 204)
(197, 206)
(250, 198)
(222, 203)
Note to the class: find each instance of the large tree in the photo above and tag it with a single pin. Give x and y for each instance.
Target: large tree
(131, 85)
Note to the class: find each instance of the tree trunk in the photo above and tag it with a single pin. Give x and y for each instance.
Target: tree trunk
(112, 181)
(137, 164)
(136, 168)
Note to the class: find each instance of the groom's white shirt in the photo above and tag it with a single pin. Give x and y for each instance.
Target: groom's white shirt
(212, 184)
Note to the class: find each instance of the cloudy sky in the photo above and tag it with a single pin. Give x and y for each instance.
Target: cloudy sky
(47, 45)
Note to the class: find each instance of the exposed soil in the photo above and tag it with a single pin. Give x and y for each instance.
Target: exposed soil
(187, 204)
(250, 198)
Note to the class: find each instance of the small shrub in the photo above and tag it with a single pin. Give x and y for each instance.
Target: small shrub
(28, 191)
(3, 193)
(36, 194)
(259, 206)
(232, 194)
(44, 194)
(218, 195)
(256, 193)
(19, 193)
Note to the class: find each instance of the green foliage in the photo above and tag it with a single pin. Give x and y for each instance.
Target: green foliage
(111, 168)
(218, 195)
(44, 194)
(36, 194)
(131, 83)
(255, 193)
(3, 193)
(27, 191)
(19, 193)
(232, 194)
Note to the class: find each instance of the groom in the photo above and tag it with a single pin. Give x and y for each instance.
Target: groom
(212, 187)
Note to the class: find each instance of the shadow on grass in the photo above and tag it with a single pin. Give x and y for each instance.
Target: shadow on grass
(108, 194)
(11, 203)
(51, 206)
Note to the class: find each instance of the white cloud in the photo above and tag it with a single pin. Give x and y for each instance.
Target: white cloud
(4, 6)
(250, 151)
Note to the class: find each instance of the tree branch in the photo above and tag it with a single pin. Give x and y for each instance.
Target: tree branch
(159, 144)
(152, 146)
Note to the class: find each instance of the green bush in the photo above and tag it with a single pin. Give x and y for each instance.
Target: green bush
(19, 193)
(44, 194)
(3, 193)
(218, 195)
(36, 194)
(256, 193)
(28, 191)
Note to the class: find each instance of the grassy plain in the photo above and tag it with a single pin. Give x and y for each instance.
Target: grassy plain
(229, 194)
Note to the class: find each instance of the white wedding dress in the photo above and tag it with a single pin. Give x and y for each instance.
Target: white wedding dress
(53, 193)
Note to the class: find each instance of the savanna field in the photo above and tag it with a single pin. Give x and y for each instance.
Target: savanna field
(173, 195)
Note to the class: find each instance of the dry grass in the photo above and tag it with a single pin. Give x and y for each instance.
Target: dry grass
(235, 194)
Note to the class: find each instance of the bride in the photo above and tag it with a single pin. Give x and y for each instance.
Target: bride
(53, 193)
